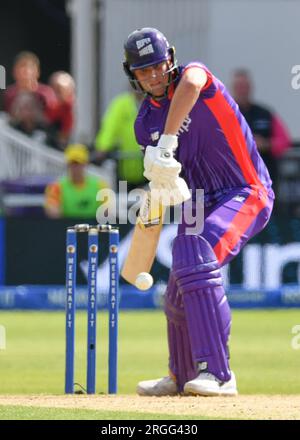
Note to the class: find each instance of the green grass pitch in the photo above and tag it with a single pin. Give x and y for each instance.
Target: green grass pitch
(262, 354)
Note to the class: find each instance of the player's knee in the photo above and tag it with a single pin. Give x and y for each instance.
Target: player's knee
(194, 263)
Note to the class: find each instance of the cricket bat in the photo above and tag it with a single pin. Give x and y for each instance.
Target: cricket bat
(145, 239)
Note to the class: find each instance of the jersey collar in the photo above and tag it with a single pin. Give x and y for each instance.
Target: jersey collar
(158, 104)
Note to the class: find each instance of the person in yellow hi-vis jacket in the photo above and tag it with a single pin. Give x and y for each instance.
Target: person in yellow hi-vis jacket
(74, 195)
(116, 138)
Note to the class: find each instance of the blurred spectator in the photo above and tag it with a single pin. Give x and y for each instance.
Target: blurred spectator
(271, 136)
(62, 123)
(55, 101)
(116, 138)
(26, 72)
(74, 195)
(27, 115)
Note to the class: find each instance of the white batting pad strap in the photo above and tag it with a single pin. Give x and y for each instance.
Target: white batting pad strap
(168, 142)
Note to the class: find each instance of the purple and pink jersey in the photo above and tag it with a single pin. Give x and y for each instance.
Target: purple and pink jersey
(219, 155)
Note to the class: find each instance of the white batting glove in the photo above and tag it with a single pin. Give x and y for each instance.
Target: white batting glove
(170, 192)
(168, 142)
(159, 161)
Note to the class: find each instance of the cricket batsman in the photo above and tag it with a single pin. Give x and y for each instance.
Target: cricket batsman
(194, 136)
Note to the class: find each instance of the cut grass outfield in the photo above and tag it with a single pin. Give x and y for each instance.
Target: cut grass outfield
(25, 413)
(262, 357)
(33, 362)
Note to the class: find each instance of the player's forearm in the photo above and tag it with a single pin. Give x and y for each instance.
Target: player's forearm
(182, 103)
(185, 97)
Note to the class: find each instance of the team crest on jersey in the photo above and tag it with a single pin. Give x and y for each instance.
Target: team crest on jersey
(144, 46)
(155, 136)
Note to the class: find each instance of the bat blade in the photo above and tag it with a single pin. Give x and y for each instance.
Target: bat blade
(144, 241)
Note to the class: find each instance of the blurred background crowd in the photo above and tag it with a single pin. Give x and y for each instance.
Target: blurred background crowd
(57, 93)
(67, 112)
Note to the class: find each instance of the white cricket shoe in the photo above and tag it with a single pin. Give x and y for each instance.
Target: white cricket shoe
(206, 384)
(157, 387)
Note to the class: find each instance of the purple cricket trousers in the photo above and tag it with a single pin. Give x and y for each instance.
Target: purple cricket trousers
(196, 307)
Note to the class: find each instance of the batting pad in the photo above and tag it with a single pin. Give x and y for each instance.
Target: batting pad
(198, 280)
(181, 362)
